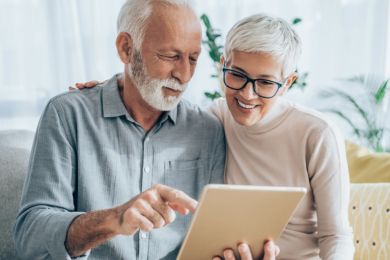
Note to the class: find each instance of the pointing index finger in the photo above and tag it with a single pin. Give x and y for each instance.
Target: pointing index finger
(180, 201)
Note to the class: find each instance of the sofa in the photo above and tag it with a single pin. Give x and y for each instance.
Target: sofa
(369, 210)
(15, 146)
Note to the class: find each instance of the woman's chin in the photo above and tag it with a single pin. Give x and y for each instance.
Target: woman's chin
(246, 121)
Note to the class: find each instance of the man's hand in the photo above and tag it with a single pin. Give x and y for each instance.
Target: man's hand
(154, 208)
(271, 251)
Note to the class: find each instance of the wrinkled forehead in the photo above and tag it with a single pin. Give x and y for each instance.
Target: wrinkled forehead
(173, 25)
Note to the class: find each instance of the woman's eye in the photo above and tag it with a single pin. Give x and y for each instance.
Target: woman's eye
(265, 82)
(237, 75)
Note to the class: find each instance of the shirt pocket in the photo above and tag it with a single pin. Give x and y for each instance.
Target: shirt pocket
(185, 175)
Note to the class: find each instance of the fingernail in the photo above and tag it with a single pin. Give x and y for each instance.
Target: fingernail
(229, 253)
(242, 247)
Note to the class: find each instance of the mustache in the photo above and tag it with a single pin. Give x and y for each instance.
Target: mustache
(172, 84)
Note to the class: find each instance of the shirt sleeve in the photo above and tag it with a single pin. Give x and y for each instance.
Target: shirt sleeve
(47, 204)
(328, 171)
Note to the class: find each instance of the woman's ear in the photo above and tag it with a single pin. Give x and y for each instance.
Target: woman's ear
(290, 80)
(124, 47)
(222, 60)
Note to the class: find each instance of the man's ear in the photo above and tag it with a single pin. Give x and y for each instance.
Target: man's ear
(290, 80)
(124, 47)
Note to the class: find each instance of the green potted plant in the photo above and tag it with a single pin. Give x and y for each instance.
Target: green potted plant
(366, 109)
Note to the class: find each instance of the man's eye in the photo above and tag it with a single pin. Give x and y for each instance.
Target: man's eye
(193, 60)
(169, 57)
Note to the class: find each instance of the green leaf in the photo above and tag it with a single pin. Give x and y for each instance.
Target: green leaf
(215, 50)
(361, 79)
(381, 92)
(356, 130)
(212, 95)
(354, 103)
(296, 20)
(206, 20)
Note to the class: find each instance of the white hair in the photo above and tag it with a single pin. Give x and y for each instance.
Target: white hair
(134, 14)
(267, 34)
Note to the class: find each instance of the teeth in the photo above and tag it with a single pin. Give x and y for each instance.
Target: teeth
(245, 105)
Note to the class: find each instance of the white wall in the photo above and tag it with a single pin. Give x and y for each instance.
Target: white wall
(48, 45)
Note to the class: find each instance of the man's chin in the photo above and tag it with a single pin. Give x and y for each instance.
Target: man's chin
(169, 103)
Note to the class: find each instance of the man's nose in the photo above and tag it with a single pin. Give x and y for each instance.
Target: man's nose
(182, 71)
(248, 91)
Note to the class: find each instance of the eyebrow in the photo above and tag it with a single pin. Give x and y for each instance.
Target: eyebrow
(177, 51)
(258, 76)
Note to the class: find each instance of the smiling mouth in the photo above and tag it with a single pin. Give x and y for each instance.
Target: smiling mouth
(245, 106)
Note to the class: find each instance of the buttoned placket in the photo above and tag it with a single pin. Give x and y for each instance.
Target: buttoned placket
(146, 183)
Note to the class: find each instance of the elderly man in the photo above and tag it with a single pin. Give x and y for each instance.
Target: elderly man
(110, 166)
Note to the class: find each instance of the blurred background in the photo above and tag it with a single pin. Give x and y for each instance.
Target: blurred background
(48, 45)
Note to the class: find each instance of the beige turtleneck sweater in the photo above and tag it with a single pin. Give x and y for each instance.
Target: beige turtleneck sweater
(295, 146)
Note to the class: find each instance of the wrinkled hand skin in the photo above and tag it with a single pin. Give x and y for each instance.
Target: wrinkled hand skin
(152, 209)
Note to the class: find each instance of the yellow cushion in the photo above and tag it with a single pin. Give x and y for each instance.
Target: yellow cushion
(369, 214)
(365, 166)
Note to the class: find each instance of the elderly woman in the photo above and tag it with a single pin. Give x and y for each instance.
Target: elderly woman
(274, 142)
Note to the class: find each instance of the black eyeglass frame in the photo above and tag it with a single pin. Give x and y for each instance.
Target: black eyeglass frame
(249, 79)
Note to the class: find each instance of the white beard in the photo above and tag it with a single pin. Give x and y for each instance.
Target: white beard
(151, 89)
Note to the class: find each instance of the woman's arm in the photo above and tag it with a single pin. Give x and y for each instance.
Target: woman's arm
(329, 178)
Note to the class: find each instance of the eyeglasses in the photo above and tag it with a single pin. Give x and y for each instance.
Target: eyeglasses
(237, 80)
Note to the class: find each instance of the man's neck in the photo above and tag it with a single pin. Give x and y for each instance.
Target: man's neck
(141, 112)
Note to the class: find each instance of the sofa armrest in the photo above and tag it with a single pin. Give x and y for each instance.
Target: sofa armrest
(369, 214)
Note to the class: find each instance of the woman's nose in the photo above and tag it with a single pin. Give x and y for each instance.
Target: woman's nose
(248, 91)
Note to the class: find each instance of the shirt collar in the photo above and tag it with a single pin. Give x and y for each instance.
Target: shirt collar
(112, 102)
(113, 105)
(171, 115)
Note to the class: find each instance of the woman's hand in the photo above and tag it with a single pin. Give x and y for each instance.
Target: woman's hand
(89, 84)
(271, 251)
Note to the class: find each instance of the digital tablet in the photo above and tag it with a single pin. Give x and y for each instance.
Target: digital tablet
(231, 214)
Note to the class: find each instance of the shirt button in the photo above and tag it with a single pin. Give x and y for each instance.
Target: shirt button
(147, 139)
(144, 235)
(146, 169)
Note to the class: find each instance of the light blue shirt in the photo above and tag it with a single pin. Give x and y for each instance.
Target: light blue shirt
(90, 154)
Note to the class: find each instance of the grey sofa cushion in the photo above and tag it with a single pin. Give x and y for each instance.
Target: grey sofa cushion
(15, 146)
